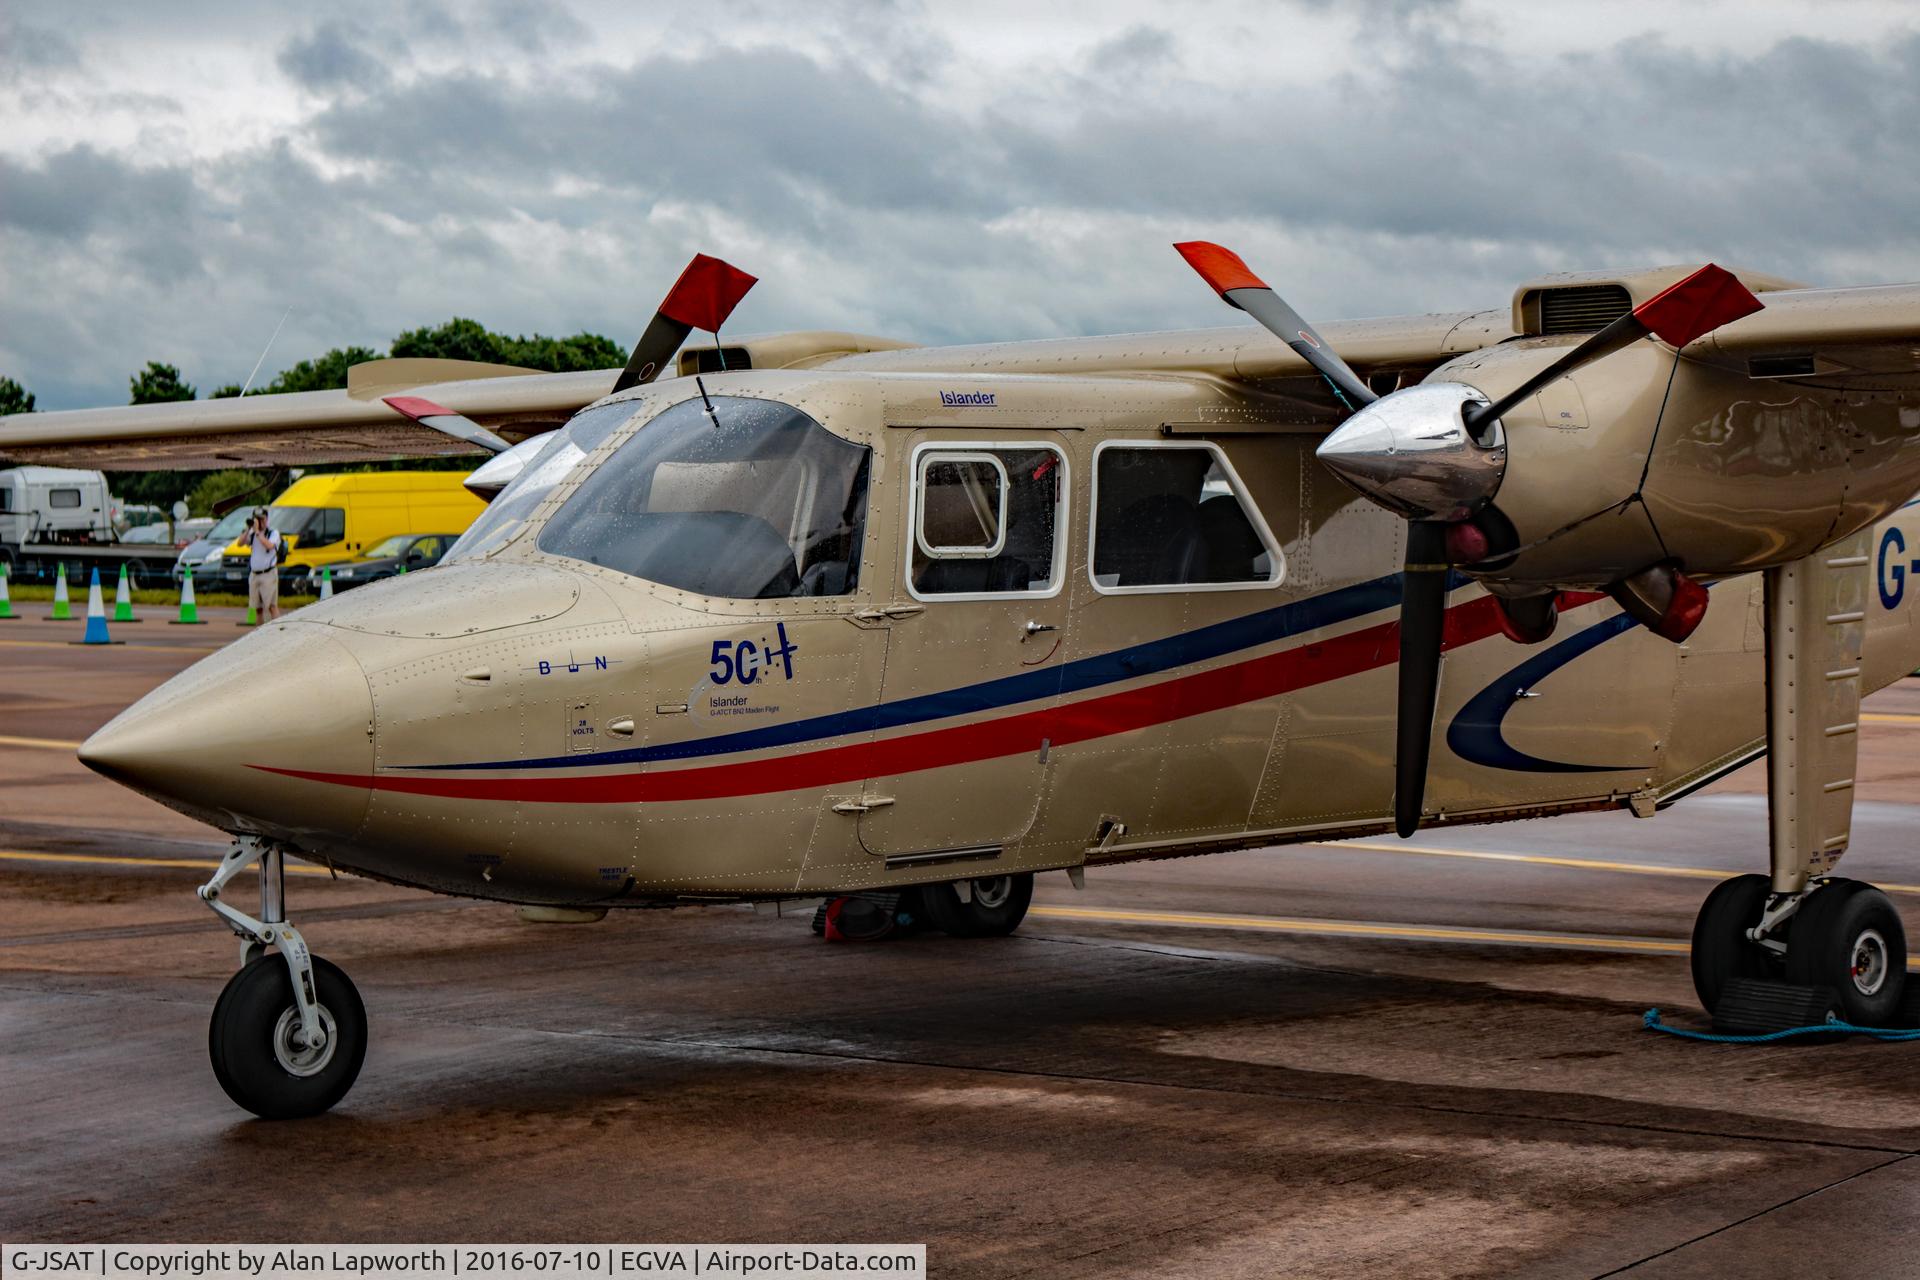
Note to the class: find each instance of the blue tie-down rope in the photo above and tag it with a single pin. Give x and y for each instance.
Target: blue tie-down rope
(1651, 1021)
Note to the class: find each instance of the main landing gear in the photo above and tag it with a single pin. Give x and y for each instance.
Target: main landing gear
(1840, 935)
(987, 907)
(1801, 939)
(289, 1031)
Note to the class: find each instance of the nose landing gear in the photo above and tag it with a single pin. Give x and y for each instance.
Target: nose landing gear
(289, 1032)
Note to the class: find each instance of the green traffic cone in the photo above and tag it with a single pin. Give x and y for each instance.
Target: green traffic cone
(123, 600)
(252, 619)
(189, 610)
(6, 601)
(326, 583)
(62, 609)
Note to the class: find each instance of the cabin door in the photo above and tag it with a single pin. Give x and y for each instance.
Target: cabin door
(978, 623)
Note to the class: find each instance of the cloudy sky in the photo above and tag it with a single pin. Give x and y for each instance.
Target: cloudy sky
(174, 177)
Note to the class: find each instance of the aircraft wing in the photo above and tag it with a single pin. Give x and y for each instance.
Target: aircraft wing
(1866, 338)
(353, 425)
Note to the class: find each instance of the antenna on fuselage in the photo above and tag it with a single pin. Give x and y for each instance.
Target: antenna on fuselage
(712, 417)
(263, 351)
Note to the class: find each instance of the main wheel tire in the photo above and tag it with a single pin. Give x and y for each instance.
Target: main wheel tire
(1721, 949)
(997, 906)
(1848, 936)
(255, 1057)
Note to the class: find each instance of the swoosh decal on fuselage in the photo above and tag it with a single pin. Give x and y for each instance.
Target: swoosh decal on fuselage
(1475, 734)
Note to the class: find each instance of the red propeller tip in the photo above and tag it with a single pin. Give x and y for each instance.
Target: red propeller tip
(1219, 266)
(1705, 300)
(417, 408)
(706, 293)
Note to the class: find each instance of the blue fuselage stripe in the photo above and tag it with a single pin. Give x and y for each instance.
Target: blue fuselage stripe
(1150, 658)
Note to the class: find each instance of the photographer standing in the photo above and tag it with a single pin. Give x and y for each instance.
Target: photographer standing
(263, 577)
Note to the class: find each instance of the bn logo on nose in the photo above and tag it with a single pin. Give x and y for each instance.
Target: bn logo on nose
(1893, 574)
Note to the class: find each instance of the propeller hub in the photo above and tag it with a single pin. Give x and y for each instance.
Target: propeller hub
(1412, 453)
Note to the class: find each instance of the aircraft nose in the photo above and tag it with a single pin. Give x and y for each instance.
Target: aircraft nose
(225, 740)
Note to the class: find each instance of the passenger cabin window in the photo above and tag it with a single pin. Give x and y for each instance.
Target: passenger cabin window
(63, 497)
(755, 502)
(987, 520)
(1168, 517)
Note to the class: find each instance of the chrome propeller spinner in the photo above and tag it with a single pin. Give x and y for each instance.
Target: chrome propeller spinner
(1436, 454)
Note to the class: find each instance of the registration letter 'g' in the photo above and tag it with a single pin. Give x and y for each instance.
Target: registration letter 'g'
(1893, 574)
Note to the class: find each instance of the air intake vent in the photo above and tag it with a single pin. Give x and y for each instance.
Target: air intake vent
(1587, 309)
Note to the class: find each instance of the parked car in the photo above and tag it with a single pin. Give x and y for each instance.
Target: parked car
(206, 549)
(168, 533)
(414, 551)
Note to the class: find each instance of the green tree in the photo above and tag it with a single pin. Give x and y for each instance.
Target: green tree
(216, 485)
(157, 384)
(327, 373)
(464, 339)
(227, 392)
(14, 398)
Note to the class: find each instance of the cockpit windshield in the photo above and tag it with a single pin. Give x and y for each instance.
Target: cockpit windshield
(755, 502)
(507, 514)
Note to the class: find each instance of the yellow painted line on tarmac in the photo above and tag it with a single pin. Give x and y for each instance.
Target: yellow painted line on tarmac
(1579, 864)
(1362, 929)
(74, 644)
(1888, 717)
(107, 860)
(49, 744)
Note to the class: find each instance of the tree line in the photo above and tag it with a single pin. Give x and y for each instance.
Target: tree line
(456, 339)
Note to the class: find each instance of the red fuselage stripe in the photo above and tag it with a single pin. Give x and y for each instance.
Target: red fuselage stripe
(1265, 677)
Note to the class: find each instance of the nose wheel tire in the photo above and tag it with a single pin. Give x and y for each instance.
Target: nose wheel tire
(258, 1053)
(995, 906)
(1721, 949)
(1847, 936)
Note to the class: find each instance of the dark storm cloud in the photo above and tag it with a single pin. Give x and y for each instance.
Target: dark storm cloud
(757, 131)
(327, 58)
(29, 51)
(1433, 170)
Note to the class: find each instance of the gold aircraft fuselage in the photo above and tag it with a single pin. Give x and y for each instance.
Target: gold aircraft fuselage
(990, 671)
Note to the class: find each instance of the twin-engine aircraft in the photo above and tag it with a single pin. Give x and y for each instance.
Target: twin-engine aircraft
(824, 614)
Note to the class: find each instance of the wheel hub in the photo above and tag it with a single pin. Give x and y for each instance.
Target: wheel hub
(993, 893)
(1869, 962)
(295, 1058)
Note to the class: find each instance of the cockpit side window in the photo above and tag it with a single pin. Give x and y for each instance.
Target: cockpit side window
(755, 502)
(510, 509)
(1175, 517)
(988, 520)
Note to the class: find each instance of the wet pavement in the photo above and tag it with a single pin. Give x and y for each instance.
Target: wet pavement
(1347, 1060)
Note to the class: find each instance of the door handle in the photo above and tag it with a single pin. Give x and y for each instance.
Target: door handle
(1036, 628)
(888, 613)
(864, 804)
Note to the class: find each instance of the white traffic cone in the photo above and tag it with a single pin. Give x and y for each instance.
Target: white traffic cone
(326, 583)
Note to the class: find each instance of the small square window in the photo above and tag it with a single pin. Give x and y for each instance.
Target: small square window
(963, 505)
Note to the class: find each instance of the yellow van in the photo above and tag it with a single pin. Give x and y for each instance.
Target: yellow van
(339, 517)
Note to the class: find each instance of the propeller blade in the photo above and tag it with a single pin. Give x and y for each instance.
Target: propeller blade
(702, 298)
(1689, 309)
(1423, 611)
(446, 422)
(1236, 284)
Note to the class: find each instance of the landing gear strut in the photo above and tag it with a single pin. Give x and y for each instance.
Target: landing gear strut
(1802, 926)
(289, 1031)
